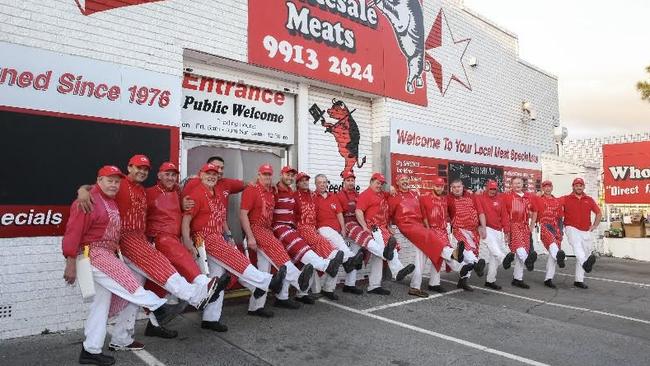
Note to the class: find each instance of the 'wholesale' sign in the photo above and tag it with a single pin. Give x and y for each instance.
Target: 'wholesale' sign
(627, 172)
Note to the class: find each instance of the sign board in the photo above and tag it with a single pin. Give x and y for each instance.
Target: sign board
(627, 172)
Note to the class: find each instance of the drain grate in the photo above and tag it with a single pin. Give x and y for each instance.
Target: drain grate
(5, 311)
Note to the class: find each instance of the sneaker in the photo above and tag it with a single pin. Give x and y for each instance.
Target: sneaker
(462, 284)
(379, 291)
(352, 262)
(560, 259)
(520, 284)
(589, 263)
(507, 261)
(212, 290)
(333, 267)
(530, 260)
(160, 332)
(479, 267)
(261, 312)
(330, 295)
(306, 300)
(86, 358)
(389, 249)
(549, 283)
(405, 272)
(287, 304)
(417, 292)
(305, 277)
(278, 278)
(493, 285)
(580, 285)
(134, 346)
(215, 326)
(353, 290)
(437, 288)
(466, 269)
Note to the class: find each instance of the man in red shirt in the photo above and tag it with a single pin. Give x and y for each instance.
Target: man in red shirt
(550, 222)
(490, 218)
(405, 209)
(577, 221)
(329, 220)
(256, 216)
(205, 222)
(518, 218)
(96, 234)
(285, 229)
(436, 217)
(372, 212)
(464, 214)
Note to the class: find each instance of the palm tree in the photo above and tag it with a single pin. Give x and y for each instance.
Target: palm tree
(644, 87)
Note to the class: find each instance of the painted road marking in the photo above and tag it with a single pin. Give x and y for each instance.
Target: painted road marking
(602, 279)
(148, 358)
(382, 307)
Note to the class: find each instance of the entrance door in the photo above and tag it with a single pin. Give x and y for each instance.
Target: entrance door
(241, 162)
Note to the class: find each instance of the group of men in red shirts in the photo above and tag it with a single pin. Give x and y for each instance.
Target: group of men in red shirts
(156, 234)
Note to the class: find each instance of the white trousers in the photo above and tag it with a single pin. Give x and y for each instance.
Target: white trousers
(582, 243)
(339, 242)
(264, 264)
(105, 287)
(520, 258)
(325, 282)
(495, 253)
(551, 261)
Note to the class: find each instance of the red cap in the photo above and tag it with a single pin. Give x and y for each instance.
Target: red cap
(167, 166)
(549, 183)
(287, 169)
(265, 169)
(378, 176)
(578, 181)
(400, 176)
(140, 160)
(302, 175)
(108, 170)
(209, 168)
(347, 175)
(438, 181)
(491, 184)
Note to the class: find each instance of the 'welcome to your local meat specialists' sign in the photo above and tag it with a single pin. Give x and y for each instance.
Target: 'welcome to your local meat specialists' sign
(216, 107)
(352, 43)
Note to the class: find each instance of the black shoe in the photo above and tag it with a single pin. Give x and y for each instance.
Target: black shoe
(530, 260)
(330, 295)
(462, 284)
(437, 288)
(507, 261)
(306, 300)
(212, 292)
(353, 290)
(305, 277)
(560, 258)
(167, 313)
(588, 265)
(404, 272)
(287, 304)
(389, 249)
(216, 326)
(466, 269)
(333, 267)
(160, 332)
(278, 278)
(460, 252)
(134, 346)
(261, 312)
(520, 284)
(479, 267)
(86, 358)
(258, 293)
(549, 283)
(493, 285)
(222, 283)
(580, 285)
(354, 261)
(379, 291)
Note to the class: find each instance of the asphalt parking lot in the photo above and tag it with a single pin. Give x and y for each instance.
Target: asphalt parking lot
(608, 324)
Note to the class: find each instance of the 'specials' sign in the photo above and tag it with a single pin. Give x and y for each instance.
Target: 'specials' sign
(373, 46)
(627, 172)
(224, 108)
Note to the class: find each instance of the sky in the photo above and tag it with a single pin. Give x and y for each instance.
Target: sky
(598, 50)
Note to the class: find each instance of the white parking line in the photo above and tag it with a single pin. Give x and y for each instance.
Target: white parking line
(148, 358)
(601, 279)
(576, 308)
(382, 307)
(439, 335)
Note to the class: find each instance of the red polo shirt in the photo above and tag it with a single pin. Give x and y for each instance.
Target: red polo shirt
(163, 211)
(374, 206)
(284, 211)
(260, 202)
(405, 208)
(132, 202)
(464, 210)
(435, 210)
(208, 213)
(326, 210)
(491, 207)
(577, 211)
(348, 202)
